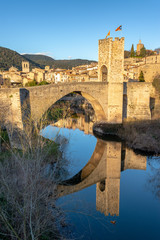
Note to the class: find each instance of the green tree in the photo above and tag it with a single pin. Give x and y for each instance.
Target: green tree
(141, 77)
(31, 84)
(143, 52)
(132, 51)
(43, 83)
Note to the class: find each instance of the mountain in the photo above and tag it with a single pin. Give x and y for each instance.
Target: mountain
(48, 61)
(9, 58)
(40, 59)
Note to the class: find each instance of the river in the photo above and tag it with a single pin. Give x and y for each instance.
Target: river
(109, 191)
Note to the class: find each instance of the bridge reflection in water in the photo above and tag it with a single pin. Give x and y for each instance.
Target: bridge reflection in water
(104, 169)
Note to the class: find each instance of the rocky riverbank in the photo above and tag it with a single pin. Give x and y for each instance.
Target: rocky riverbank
(138, 135)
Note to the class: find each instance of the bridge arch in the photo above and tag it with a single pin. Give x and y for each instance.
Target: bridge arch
(93, 172)
(97, 106)
(35, 101)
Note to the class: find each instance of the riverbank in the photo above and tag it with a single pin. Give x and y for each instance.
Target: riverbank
(138, 135)
(28, 185)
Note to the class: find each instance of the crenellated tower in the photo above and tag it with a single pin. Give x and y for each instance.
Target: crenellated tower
(111, 60)
(110, 70)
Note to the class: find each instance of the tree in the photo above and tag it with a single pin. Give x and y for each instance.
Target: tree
(132, 51)
(31, 84)
(143, 52)
(141, 77)
(43, 83)
(28, 183)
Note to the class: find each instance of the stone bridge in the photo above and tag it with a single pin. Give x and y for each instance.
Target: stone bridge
(111, 99)
(36, 101)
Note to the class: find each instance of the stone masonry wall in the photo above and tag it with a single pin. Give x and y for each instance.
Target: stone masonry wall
(138, 101)
(111, 55)
(10, 107)
(43, 97)
(150, 71)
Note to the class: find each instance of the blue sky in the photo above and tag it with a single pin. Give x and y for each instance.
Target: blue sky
(71, 29)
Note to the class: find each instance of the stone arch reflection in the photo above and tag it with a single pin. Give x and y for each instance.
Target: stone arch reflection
(104, 169)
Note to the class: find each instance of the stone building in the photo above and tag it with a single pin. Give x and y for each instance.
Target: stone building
(39, 74)
(139, 47)
(25, 67)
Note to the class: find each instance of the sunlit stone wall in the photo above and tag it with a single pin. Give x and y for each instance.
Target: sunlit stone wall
(138, 101)
(110, 69)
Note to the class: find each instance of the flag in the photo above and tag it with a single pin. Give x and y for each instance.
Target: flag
(108, 34)
(119, 28)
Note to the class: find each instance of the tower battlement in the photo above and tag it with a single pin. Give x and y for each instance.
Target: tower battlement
(111, 60)
(112, 39)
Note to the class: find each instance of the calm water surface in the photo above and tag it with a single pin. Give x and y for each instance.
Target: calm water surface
(116, 193)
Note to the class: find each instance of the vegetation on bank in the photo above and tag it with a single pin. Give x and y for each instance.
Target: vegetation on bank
(138, 135)
(28, 182)
(34, 83)
(142, 135)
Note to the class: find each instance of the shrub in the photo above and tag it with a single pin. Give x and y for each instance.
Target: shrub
(28, 180)
(43, 83)
(31, 84)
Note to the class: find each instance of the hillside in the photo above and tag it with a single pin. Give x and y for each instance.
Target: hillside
(9, 58)
(48, 61)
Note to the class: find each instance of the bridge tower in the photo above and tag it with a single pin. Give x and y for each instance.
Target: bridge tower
(111, 60)
(110, 70)
(25, 66)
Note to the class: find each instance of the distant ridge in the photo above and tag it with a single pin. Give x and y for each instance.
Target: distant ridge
(9, 58)
(48, 61)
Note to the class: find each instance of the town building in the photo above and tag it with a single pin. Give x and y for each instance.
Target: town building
(139, 47)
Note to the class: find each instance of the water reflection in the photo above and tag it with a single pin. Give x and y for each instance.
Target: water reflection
(108, 179)
(79, 121)
(154, 177)
(104, 169)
